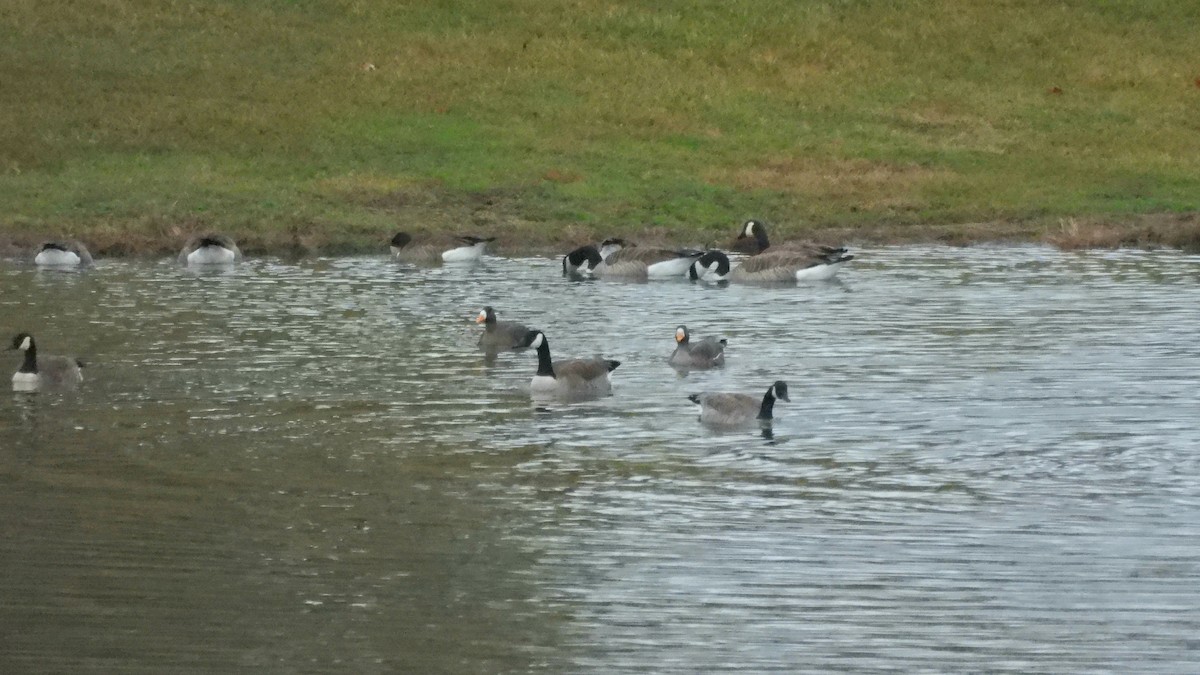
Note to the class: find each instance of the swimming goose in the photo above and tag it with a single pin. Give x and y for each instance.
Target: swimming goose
(581, 261)
(773, 266)
(209, 249)
(48, 372)
(722, 409)
(573, 379)
(705, 353)
(616, 258)
(469, 249)
(63, 254)
(499, 335)
(753, 240)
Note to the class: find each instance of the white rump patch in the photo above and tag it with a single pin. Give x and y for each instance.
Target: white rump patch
(464, 253)
(820, 272)
(675, 267)
(211, 255)
(53, 257)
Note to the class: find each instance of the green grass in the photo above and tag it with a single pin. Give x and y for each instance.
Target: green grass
(326, 124)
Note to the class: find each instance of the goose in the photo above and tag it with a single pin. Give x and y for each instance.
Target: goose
(616, 258)
(209, 249)
(573, 379)
(724, 409)
(498, 335)
(774, 266)
(581, 261)
(63, 254)
(48, 372)
(469, 248)
(705, 353)
(752, 239)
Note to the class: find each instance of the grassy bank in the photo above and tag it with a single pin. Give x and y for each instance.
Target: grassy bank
(326, 124)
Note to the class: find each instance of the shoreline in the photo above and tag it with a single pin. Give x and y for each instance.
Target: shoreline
(1162, 230)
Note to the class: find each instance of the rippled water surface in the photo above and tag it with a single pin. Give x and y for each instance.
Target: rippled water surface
(989, 463)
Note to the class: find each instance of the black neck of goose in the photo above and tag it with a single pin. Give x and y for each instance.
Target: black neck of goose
(760, 236)
(30, 363)
(767, 411)
(545, 366)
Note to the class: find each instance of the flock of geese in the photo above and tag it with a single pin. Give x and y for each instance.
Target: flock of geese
(565, 380)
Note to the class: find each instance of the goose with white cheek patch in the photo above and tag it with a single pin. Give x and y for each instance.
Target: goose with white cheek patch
(619, 259)
(752, 239)
(501, 335)
(698, 354)
(210, 249)
(46, 372)
(731, 410)
(581, 261)
(572, 379)
(766, 268)
(63, 254)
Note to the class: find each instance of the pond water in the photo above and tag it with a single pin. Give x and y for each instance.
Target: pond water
(990, 461)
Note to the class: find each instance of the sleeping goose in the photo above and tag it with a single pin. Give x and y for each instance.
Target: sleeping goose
(63, 254)
(500, 335)
(722, 409)
(209, 249)
(617, 259)
(770, 267)
(705, 353)
(47, 372)
(573, 379)
(462, 248)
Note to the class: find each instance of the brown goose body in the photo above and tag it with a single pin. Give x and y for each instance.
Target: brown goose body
(753, 240)
(437, 249)
(569, 379)
(621, 260)
(732, 409)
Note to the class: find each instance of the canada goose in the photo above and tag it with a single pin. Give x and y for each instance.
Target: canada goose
(463, 248)
(581, 261)
(48, 372)
(616, 258)
(498, 335)
(705, 353)
(573, 379)
(63, 254)
(723, 409)
(209, 249)
(752, 239)
(773, 266)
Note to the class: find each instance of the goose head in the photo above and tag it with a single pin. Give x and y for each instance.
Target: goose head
(611, 246)
(753, 236)
(582, 259)
(780, 390)
(681, 335)
(22, 342)
(486, 315)
(713, 263)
